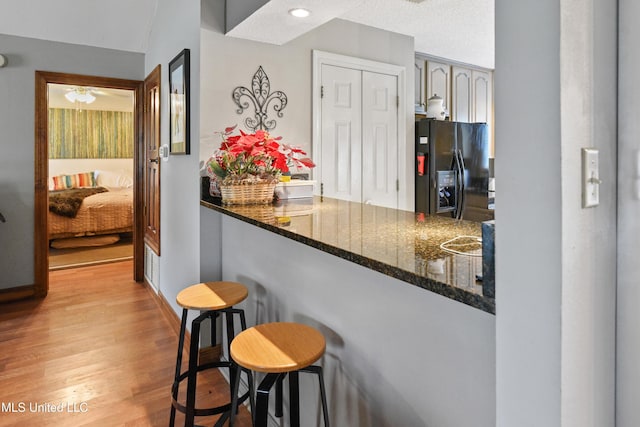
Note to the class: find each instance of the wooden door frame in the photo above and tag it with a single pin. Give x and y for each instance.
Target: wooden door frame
(41, 154)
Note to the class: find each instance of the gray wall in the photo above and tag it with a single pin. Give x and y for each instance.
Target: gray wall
(628, 343)
(17, 107)
(229, 62)
(177, 26)
(555, 262)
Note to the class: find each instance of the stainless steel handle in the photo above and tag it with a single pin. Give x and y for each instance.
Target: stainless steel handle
(462, 185)
(2, 218)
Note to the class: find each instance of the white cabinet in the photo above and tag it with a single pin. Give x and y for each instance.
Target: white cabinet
(482, 95)
(438, 76)
(420, 79)
(462, 105)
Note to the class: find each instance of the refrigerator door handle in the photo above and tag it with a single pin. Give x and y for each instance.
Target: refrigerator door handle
(456, 167)
(461, 191)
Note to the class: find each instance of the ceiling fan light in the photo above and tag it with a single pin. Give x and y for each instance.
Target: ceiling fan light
(299, 12)
(80, 94)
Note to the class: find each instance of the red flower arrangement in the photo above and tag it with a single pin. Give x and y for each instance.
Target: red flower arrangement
(254, 157)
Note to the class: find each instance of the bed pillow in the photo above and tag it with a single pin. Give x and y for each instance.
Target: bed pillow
(114, 179)
(78, 180)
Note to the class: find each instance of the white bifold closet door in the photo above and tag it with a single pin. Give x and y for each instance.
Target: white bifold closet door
(359, 140)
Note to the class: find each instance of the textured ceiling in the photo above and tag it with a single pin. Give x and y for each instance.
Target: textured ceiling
(113, 24)
(460, 30)
(273, 24)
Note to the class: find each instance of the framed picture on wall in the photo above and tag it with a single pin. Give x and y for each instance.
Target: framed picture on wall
(179, 104)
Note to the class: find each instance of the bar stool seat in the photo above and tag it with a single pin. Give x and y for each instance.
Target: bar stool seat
(279, 349)
(213, 299)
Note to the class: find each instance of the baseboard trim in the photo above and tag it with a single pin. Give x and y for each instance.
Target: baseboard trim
(17, 293)
(168, 314)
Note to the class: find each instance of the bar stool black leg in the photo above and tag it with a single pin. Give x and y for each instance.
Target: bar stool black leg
(235, 388)
(230, 334)
(262, 402)
(174, 388)
(193, 370)
(279, 396)
(323, 393)
(294, 399)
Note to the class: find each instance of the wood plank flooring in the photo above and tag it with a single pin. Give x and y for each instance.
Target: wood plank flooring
(97, 348)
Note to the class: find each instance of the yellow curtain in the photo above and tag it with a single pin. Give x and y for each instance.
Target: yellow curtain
(90, 134)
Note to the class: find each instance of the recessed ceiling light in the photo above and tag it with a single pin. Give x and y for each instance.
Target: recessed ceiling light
(299, 12)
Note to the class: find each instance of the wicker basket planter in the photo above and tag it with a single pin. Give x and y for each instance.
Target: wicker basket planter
(247, 193)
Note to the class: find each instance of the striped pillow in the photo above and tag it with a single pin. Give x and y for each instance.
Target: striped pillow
(78, 180)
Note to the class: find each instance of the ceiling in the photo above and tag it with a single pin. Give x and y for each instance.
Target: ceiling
(459, 30)
(106, 99)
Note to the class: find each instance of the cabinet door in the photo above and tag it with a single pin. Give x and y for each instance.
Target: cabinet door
(482, 89)
(483, 102)
(439, 82)
(462, 105)
(420, 79)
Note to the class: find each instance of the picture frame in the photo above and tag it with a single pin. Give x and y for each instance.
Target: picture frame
(179, 117)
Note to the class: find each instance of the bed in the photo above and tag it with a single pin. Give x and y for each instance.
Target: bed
(108, 212)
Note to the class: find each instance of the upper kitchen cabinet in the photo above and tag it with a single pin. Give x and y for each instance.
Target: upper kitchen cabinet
(438, 82)
(472, 95)
(462, 106)
(482, 95)
(419, 85)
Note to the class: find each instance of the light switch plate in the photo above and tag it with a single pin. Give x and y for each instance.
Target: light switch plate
(590, 178)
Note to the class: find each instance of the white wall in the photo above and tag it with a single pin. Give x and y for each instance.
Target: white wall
(555, 294)
(69, 166)
(423, 360)
(588, 110)
(17, 107)
(177, 26)
(228, 62)
(628, 327)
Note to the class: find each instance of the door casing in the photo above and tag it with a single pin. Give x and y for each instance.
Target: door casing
(41, 154)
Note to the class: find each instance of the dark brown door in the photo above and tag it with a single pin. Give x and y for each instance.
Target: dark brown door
(152, 160)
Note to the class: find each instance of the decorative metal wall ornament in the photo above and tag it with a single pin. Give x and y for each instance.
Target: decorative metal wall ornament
(260, 96)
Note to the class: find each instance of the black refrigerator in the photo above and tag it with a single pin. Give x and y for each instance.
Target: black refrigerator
(452, 170)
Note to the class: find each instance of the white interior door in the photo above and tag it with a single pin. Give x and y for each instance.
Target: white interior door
(341, 139)
(359, 140)
(379, 139)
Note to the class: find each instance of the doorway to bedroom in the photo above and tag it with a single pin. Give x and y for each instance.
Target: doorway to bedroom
(75, 171)
(90, 179)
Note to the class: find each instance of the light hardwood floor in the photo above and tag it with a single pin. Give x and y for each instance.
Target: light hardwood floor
(97, 347)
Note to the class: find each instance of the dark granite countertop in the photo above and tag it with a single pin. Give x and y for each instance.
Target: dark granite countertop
(400, 244)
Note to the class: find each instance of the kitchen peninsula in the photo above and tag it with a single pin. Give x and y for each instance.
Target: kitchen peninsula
(410, 336)
(393, 242)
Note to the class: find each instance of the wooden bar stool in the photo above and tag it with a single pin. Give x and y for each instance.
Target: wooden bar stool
(213, 299)
(278, 349)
